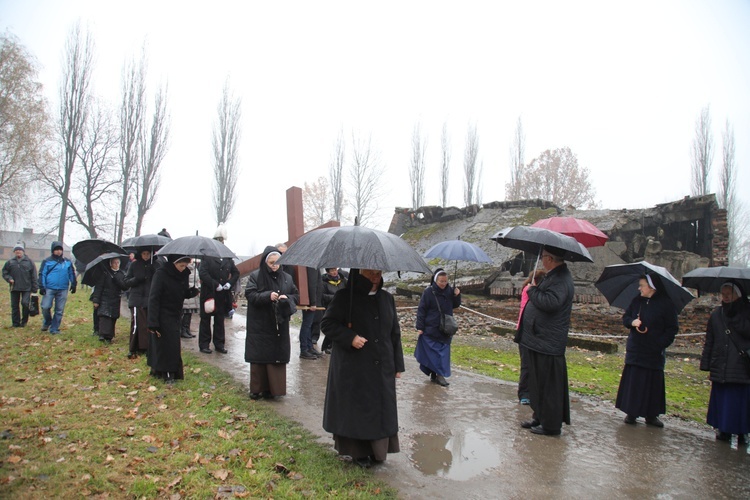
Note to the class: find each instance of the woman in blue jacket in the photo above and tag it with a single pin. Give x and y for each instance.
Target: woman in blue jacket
(433, 350)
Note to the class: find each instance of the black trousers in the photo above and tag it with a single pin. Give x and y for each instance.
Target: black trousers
(204, 330)
(19, 315)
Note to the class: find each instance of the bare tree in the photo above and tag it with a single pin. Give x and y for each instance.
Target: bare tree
(702, 154)
(24, 127)
(471, 153)
(226, 141)
(517, 162)
(364, 174)
(132, 116)
(153, 149)
(95, 182)
(556, 176)
(444, 165)
(336, 177)
(316, 203)
(737, 220)
(74, 110)
(416, 172)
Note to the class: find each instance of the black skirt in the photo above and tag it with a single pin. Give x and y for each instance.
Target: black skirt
(642, 392)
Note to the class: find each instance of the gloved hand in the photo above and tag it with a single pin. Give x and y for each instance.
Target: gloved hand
(220, 287)
(42, 291)
(227, 286)
(73, 288)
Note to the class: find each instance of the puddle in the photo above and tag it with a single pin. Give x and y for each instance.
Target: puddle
(453, 456)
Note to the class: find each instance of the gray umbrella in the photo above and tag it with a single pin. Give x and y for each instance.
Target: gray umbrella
(151, 241)
(619, 284)
(196, 246)
(710, 279)
(534, 239)
(354, 247)
(457, 250)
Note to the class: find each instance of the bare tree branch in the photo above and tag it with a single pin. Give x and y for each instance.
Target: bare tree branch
(471, 152)
(702, 154)
(556, 176)
(444, 165)
(517, 162)
(226, 141)
(316, 203)
(364, 174)
(417, 167)
(336, 177)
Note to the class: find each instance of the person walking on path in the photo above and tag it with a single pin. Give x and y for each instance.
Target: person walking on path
(106, 298)
(652, 319)
(311, 317)
(360, 408)
(20, 273)
(138, 280)
(727, 335)
(218, 278)
(56, 276)
(433, 349)
(523, 378)
(333, 281)
(169, 289)
(272, 298)
(545, 324)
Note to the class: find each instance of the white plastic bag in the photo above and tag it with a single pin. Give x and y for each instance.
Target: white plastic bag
(209, 305)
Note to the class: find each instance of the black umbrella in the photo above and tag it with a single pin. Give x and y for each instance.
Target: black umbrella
(533, 239)
(710, 279)
(619, 284)
(152, 242)
(196, 246)
(354, 247)
(100, 265)
(88, 250)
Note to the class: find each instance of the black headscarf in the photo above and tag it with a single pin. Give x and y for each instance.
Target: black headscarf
(732, 308)
(268, 279)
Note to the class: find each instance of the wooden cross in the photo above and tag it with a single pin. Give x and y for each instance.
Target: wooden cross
(295, 220)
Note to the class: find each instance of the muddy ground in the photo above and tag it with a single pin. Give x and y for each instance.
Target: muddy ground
(465, 441)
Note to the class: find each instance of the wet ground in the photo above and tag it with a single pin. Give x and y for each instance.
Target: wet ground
(465, 441)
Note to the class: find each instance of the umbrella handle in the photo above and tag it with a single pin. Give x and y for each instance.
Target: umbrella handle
(638, 329)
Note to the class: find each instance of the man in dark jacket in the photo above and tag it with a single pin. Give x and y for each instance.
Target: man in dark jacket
(218, 278)
(333, 281)
(56, 274)
(138, 280)
(20, 272)
(545, 323)
(309, 331)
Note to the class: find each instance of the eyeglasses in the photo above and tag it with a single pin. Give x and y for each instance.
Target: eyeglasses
(270, 264)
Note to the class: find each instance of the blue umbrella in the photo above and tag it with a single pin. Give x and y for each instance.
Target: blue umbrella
(457, 250)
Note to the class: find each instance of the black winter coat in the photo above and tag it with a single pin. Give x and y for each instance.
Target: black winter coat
(546, 317)
(267, 337)
(138, 279)
(360, 400)
(107, 293)
(214, 272)
(722, 357)
(314, 287)
(169, 289)
(331, 285)
(23, 273)
(428, 315)
(659, 315)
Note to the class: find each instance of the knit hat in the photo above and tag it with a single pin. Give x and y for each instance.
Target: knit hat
(55, 245)
(19, 246)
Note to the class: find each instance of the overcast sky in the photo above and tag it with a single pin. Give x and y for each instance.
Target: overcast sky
(620, 84)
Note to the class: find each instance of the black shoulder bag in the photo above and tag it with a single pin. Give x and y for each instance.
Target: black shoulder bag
(448, 325)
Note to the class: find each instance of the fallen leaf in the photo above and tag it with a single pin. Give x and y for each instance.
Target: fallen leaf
(281, 468)
(151, 388)
(14, 459)
(175, 482)
(220, 474)
(109, 458)
(249, 464)
(295, 476)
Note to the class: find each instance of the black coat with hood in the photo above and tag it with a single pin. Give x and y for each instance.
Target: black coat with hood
(267, 338)
(108, 291)
(720, 354)
(138, 279)
(360, 400)
(658, 314)
(546, 317)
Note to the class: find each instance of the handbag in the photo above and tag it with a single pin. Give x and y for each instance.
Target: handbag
(33, 304)
(209, 306)
(448, 325)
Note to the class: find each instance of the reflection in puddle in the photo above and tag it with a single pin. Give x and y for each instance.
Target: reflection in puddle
(457, 457)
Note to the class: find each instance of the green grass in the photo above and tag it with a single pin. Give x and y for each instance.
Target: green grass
(80, 419)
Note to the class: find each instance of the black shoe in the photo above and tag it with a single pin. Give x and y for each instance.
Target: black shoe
(307, 355)
(654, 422)
(255, 396)
(186, 335)
(221, 350)
(132, 355)
(629, 419)
(538, 429)
(45, 328)
(723, 436)
(316, 352)
(528, 424)
(364, 462)
(105, 340)
(440, 380)
(433, 375)
(205, 350)
(327, 350)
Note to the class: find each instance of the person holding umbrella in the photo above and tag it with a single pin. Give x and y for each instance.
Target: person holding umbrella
(433, 350)
(727, 338)
(272, 298)
(108, 289)
(138, 280)
(652, 319)
(360, 403)
(169, 289)
(544, 334)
